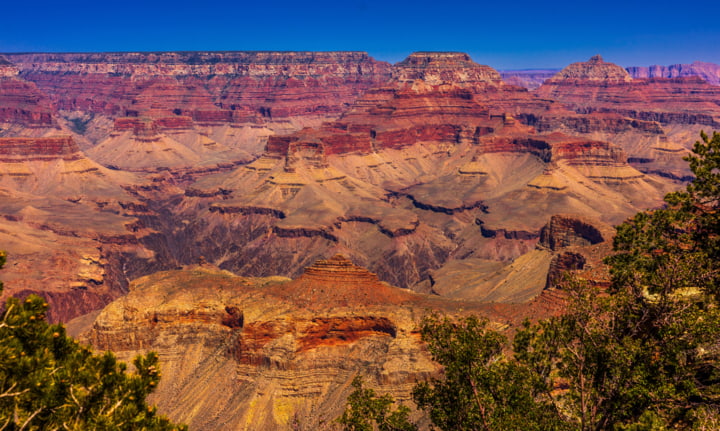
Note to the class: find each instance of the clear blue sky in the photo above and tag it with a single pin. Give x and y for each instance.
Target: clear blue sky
(503, 34)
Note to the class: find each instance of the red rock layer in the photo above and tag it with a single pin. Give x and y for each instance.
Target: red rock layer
(396, 117)
(21, 102)
(273, 84)
(28, 149)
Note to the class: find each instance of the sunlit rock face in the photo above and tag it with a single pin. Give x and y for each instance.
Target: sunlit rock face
(273, 353)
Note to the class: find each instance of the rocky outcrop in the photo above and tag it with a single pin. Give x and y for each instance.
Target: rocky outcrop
(709, 72)
(595, 69)
(569, 230)
(29, 149)
(578, 246)
(244, 353)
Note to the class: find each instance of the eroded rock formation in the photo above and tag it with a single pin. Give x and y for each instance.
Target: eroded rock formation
(242, 353)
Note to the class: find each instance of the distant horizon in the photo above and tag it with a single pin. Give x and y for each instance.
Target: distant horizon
(333, 51)
(517, 36)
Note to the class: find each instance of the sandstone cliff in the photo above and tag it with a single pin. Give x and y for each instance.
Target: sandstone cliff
(256, 354)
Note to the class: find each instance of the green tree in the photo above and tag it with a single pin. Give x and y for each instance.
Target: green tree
(367, 412)
(644, 353)
(481, 388)
(50, 381)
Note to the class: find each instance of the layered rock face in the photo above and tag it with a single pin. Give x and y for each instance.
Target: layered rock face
(655, 120)
(709, 72)
(598, 86)
(234, 100)
(274, 84)
(241, 353)
(67, 229)
(22, 105)
(442, 67)
(595, 69)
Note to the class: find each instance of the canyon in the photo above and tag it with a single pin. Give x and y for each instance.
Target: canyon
(275, 223)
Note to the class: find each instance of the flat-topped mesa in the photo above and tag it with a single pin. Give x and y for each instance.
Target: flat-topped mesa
(445, 67)
(30, 149)
(338, 269)
(595, 69)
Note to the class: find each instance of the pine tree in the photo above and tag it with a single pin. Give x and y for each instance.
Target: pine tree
(50, 381)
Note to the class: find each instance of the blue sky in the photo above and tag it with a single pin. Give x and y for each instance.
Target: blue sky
(505, 35)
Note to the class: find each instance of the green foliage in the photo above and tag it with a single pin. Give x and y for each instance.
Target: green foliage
(481, 389)
(366, 412)
(677, 247)
(49, 381)
(627, 361)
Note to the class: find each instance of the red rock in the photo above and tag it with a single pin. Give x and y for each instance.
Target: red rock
(274, 84)
(21, 103)
(29, 149)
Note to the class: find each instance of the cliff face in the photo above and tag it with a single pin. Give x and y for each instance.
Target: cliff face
(275, 84)
(241, 353)
(709, 72)
(22, 104)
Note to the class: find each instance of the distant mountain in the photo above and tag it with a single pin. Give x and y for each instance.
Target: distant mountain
(528, 78)
(709, 72)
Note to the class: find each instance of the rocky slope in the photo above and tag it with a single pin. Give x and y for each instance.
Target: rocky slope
(274, 353)
(406, 168)
(68, 226)
(261, 354)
